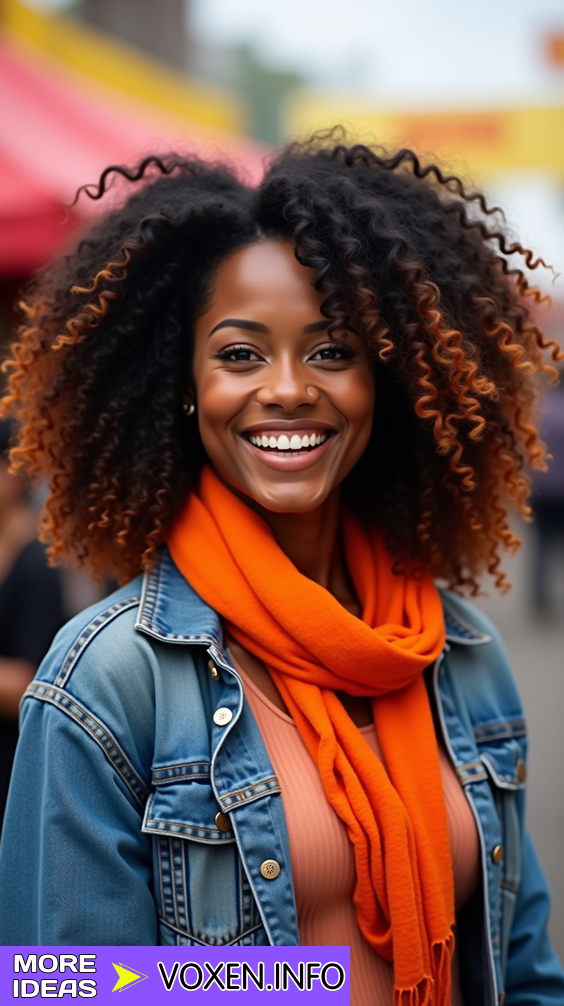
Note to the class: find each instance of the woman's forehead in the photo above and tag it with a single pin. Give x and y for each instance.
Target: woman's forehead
(265, 273)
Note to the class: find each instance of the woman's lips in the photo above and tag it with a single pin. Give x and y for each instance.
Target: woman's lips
(288, 458)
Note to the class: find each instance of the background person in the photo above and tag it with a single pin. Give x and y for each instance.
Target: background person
(31, 605)
(548, 506)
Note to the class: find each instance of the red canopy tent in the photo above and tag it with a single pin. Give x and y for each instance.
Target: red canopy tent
(58, 131)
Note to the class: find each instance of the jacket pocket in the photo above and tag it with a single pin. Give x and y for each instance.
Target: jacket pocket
(202, 892)
(503, 759)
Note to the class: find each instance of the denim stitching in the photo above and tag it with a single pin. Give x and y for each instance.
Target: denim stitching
(250, 793)
(150, 589)
(201, 943)
(161, 881)
(188, 876)
(173, 879)
(471, 772)
(192, 777)
(96, 730)
(462, 632)
(147, 607)
(185, 892)
(88, 634)
(179, 889)
(173, 773)
(156, 827)
(500, 731)
(168, 904)
(154, 585)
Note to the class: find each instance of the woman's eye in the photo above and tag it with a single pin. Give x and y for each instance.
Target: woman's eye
(334, 352)
(238, 354)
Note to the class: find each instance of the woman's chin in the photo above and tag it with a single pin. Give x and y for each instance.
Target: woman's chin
(293, 499)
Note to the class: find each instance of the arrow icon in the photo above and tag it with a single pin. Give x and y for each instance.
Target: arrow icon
(127, 976)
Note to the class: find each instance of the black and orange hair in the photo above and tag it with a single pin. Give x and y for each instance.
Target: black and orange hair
(419, 265)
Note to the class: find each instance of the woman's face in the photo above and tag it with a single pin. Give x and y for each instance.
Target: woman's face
(284, 412)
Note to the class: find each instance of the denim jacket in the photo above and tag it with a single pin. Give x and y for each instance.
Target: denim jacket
(143, 805)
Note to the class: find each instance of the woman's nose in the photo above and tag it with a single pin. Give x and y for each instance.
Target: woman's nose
(287, 384)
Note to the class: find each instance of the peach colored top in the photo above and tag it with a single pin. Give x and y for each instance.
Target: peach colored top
(322, 856)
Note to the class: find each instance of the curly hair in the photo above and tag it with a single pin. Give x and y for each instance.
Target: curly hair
(405, 254)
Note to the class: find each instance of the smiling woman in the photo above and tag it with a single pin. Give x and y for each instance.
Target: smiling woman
(286, 412)
(275, 394)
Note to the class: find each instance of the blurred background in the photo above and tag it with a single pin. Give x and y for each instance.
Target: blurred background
(478, 86)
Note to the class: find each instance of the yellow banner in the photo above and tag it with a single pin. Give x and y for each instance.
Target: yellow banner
(480, 143)
(101, 57)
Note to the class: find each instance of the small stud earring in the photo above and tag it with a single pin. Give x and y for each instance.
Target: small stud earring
(188, 408)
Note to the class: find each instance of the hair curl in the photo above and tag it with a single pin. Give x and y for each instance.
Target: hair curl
(418, 264)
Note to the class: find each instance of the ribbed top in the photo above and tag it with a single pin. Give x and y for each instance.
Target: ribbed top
(322, 856)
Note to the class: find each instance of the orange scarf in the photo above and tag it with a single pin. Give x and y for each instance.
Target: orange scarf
(395, 816)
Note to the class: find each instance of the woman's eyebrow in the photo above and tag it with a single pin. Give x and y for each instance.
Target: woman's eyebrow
(250, 326)
(256, 326)
(316, 326)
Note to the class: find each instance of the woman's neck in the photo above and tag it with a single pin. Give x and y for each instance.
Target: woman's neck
(312, 541)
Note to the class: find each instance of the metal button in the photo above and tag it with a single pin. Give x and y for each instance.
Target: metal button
(501, 999)
(270, 869)
(213, 670)
(222, 822)
(497, 854)
(521, 770)
(222, 716)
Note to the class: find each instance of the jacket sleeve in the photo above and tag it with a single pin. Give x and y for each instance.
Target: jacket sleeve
(75, 867)
(534, 974)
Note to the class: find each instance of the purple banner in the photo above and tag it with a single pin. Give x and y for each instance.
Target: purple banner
(150, 975)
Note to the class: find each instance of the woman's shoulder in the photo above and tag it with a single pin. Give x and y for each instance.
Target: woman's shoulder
(108, 678)
(99, 670)
(101, 630)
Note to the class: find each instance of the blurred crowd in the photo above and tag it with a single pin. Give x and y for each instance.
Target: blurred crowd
(35, 601)
(547, 597)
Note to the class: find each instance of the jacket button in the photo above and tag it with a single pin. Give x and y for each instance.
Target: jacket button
(497, 854)
(222, 822)
(222, 716)
(501, 999)
(213, 670)
(521, 770)
(270, 869)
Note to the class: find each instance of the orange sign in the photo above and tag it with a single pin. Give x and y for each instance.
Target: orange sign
(454, 130)
(554, 48)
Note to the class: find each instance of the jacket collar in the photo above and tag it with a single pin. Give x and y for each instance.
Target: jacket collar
(169, 604)
(457, 629)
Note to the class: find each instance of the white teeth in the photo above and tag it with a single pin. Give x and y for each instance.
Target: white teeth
(285, 443)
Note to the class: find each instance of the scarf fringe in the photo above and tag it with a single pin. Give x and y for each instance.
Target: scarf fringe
(442, 961)
(421, 994)
(434, 991)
